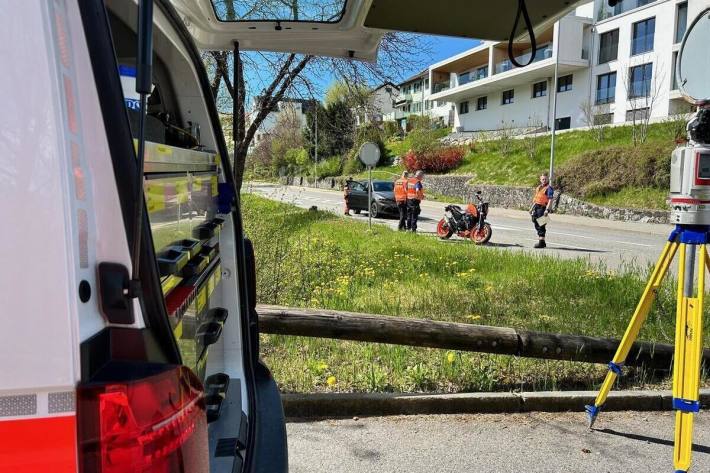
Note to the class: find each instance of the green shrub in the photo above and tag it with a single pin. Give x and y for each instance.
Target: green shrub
(391, 128)
(603, 171)
(329, 167)
(419, 122)
(296, 156)
(352, 166)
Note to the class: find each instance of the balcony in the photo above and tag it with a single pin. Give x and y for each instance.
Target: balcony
(440, 87)
(507, 65)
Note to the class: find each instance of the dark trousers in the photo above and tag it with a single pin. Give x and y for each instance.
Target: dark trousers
(539, 211)
(402, 207)
(413, 211)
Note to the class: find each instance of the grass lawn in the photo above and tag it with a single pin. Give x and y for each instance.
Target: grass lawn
(319, 260)
(635, 198)
(517, 168)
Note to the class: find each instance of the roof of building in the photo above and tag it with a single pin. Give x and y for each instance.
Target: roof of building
(385, 84)
(420, 75)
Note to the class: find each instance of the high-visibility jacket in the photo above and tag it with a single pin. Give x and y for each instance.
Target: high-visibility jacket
(543, 195)
(400, 189)
(415, 189)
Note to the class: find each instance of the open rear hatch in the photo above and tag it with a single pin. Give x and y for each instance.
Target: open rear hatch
(352, 28)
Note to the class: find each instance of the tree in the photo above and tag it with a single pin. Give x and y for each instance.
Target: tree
(273, 76)
(596, 117)
(642, 95)
(336, 130)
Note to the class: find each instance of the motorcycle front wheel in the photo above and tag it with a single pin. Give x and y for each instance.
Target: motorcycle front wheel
(481, 236)
(442, 230)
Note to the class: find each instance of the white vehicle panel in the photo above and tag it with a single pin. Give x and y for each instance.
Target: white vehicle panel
(38, 288)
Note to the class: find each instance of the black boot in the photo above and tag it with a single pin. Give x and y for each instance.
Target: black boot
(540, 244)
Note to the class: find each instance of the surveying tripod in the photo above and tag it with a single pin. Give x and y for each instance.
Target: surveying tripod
(691, 241)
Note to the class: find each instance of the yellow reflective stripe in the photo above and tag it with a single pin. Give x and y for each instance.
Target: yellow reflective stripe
(181, 191)
(155, 196)
(177, 331)
(201, 300)
(170, 283)
(213, 182)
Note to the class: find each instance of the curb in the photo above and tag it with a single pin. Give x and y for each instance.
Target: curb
(338, 405)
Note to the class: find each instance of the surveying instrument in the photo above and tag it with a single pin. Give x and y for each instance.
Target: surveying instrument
(690, 212)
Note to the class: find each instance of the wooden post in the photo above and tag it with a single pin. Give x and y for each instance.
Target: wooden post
(457, 336)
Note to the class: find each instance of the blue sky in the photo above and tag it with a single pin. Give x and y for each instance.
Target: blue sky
(444, 46)
(441, 47)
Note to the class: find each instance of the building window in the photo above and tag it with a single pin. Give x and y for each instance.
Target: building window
(603, 118)
(508, 97)
(642, 40)
(606, 88)
(637, 114)
(464, 78)
(681, 21)
(463, 108)
(640, 81)
(405, 89)
(440, 103)
(482, 103)
(563, 123)
(481, 73)
(608, 46)
(564, 83)
(539, 89)
(674, 82)
(426, 83)
(417, 87)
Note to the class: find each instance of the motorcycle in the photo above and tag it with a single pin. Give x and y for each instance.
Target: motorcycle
(470, 223)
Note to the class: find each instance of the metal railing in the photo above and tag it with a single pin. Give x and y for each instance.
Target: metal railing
(507, 65)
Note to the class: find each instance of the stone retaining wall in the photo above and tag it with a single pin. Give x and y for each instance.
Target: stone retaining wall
(520, 198)
(504, 196)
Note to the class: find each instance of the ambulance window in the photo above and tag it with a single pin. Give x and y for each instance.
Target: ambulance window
(704, 166)
(330, 11)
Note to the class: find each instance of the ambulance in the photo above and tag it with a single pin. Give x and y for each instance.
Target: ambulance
(129, 338)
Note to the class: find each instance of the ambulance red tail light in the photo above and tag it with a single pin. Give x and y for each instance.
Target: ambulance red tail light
(154, 424)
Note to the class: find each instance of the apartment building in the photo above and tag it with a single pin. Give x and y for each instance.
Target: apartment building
(612, 63)
(380, 104)
(415, 99)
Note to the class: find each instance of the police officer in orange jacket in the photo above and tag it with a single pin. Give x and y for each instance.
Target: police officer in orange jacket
(542, 203)
(400, 196)
(415, 195)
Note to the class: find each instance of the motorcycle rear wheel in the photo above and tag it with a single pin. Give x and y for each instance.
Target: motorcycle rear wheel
(442, 230)
(481, 236)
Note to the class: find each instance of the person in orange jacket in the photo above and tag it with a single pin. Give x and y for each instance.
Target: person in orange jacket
(415, 195)
(346, 194)
(400, 196)
(542, 203)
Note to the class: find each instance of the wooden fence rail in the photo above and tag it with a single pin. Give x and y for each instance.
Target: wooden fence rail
(457, 336)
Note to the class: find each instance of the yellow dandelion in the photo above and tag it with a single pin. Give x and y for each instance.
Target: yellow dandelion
(331, 381)
(450, 357)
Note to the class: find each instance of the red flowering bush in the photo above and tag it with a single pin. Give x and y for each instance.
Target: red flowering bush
(436, 160)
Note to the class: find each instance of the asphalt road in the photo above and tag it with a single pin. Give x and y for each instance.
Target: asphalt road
(638, 442)
(612, 243)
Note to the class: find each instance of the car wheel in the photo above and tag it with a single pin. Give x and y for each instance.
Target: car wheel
(374, 209)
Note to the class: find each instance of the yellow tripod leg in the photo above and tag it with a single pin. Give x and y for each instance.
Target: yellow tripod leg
(688, 357)
(632, 331)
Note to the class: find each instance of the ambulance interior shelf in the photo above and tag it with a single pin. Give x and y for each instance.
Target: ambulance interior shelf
(181, 190)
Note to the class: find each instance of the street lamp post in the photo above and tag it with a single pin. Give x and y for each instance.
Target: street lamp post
(554, 104)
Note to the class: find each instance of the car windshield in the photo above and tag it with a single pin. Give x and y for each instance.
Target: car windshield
(382, 186)
(318, 11)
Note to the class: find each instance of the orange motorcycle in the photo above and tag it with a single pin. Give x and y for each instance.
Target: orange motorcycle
(469, 223)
